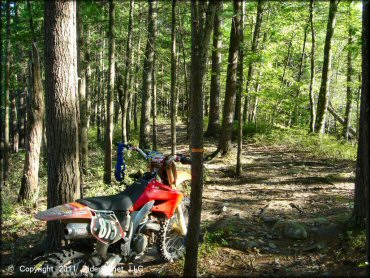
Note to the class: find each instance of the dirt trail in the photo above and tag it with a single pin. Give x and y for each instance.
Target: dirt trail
(283, 216)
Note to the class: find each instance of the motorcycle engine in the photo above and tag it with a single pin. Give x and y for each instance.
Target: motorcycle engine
(140, 243)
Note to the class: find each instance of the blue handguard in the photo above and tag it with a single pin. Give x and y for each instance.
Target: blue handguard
(119, 172)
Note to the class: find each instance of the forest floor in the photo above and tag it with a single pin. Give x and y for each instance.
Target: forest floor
(285, 216)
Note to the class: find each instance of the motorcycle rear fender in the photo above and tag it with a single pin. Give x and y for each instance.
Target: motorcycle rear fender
(72, 210)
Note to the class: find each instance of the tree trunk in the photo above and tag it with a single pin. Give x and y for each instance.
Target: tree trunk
(110, 98)
(338, 118)
(347, 115)
(240, 93)
(361, 209)
(323, 100)
(224, 144)
(82, 88)
(255, 40)
(100, 93)
(173, 79)
(300, 73)
(199, 49)
(147, 77)
(1, 104)
(154, 99)
(7, 90)
(128, 61)
(36, 109)
(312, 76)
(214, 101)
(61, 109)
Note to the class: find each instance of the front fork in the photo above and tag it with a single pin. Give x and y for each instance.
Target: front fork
(181, 218)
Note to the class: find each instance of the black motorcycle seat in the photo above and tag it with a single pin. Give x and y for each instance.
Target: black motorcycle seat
(120, 202)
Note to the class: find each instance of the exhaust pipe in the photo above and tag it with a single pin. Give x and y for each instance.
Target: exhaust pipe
(77, 231)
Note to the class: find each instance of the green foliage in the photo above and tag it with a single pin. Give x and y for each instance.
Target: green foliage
(356, 239)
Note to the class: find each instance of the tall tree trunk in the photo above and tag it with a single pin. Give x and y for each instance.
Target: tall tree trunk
(100, 93)
(61, 109)
(200, 33)
(173, 79)
(81, 71)
(214, 101)
(147, 77)
(7, 90)
(361, 210)
(240, 93)
(312, 74)
(347, 115)
(323, 100)
(365, 113)
(1, 104)
(300, 73)
(124, 100)
(255, 41)
(110, 99)
(36, 109)
(15, 91)
(224, 143)
(154, 105)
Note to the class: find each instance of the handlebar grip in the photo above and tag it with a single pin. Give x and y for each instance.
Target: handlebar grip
(185, 160)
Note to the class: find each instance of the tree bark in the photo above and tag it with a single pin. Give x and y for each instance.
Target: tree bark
(224, 143)
(36, 109)
(147, 77)
(154, 105)
(100, 96)
(255, 40)
(7, 90)
(240, 93)
(338, 118)
(61, 109)
(110, 98)
(128, 61)
(323, 100)
(1, 104)
(349, 99)
(214, 101)
(312, 72)
(200, 33)
(173, 79)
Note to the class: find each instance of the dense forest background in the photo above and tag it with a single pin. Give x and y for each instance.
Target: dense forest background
(285, 74)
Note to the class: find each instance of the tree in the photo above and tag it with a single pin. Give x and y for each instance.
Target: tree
(173, 79)
(254, 48)
(224, 143)
(312, 70)
(147, 76)
(214, 99)
(1, 103)
(240, 93)
(110, 97)
(323, 99)
(36, 109)
(7, 90)
(201, 29)
(125, 98)
(61, 109)
(349, 98)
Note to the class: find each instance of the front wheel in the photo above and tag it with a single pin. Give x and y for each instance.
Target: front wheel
(170, 241)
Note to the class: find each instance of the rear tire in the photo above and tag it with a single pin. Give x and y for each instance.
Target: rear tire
(170, 243)
(69, 263)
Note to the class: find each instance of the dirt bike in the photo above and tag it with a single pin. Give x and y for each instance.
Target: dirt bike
(121, 227)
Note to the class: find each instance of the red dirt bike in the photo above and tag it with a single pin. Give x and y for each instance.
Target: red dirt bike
(150, 211)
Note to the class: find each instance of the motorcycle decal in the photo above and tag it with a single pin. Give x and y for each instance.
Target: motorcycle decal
(66, 211)
(105, 227)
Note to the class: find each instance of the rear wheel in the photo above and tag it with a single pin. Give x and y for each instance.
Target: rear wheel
(170, 241)
(69, 263)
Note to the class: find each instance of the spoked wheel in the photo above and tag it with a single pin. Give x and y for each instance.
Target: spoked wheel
(170, 242)
(69, 263)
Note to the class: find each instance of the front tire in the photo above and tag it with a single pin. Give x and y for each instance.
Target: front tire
(170, 242)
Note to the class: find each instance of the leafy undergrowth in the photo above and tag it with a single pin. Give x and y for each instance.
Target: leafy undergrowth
(322, 146)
